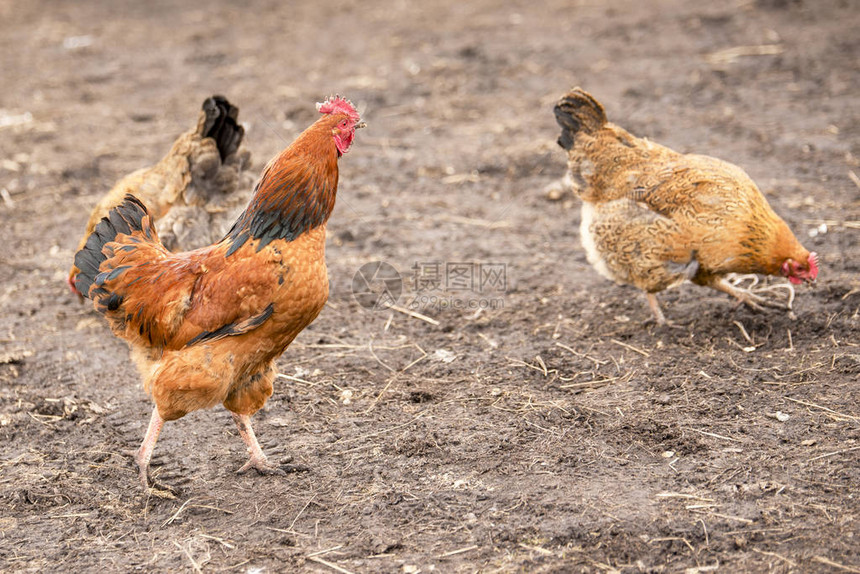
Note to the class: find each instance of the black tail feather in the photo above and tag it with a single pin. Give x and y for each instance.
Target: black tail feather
(577, 111)
(124, 218)
(222, 125)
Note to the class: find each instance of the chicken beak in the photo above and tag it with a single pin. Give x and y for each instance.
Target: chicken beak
(361, 125)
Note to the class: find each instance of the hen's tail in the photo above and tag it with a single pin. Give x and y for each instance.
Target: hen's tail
(578, 112)
(221, 124)
(129, 218)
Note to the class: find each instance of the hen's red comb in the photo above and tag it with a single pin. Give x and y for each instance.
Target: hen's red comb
(338, 105)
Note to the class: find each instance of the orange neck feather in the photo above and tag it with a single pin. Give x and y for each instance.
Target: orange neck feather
(296, 192)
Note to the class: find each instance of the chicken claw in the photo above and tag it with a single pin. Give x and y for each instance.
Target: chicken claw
(258, 460)
(751, 296)
(263, 466)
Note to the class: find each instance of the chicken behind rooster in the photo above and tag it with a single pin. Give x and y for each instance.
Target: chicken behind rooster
(654, 218)
(206, 326)
(203, 166)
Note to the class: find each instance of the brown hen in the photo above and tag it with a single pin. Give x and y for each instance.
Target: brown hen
(654, 218)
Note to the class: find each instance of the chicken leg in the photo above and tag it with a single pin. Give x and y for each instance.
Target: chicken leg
(144, 455)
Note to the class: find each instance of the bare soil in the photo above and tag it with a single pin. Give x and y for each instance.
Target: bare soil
(556, 431)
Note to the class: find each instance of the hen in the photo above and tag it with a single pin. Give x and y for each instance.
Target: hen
(206, 326)
(203, 166)
(654, 218)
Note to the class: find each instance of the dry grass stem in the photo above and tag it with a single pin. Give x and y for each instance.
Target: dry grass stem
(583, 355)
(220, 541)
(384, 390)
(744, 332)
(185, 551)
(837, 565)
(631, 347)
(700, 569)
(719, 436)
(293, 523)
(672, 539)
(599, 383)
(540, 367)
(730, 55)
(414, 314)
(326, 551)
(834, 453)
(394, 377)
(775, 555)
(177, 513)
(538, 549)
(729, 517)
(295, 379)
(378, 360)
(328, 564)
(705, 531)
(459, 551)
(831, 411)
(682, 495)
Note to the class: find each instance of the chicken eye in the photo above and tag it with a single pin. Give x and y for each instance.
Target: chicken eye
(342, 125)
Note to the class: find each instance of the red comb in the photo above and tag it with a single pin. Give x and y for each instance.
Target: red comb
(338, 105)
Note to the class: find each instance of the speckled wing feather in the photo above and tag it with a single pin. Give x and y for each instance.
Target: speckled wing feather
(630, 243)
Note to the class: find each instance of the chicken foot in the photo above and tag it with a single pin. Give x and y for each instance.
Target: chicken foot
(750, 296)
(654, 304)
(144, 456)
(659, 318)
(258, 460)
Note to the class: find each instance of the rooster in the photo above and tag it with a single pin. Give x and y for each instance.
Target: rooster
(206, 326)
(203, 165)
(654, 218)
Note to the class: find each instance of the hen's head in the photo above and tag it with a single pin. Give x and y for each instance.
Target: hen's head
(799, 271)
(346, 121)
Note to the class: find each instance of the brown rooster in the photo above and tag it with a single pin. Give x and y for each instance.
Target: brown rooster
(654, 218)
(203, 165)
(206, 326)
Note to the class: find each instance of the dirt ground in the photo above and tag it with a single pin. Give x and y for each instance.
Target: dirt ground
(535, 422)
